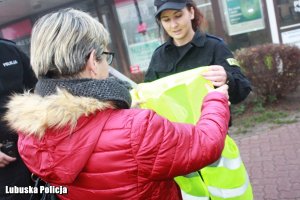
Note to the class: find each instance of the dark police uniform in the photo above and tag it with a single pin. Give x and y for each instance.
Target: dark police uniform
(203, 50)
(16, 75)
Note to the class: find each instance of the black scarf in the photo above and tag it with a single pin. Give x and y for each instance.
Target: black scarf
(110, 89)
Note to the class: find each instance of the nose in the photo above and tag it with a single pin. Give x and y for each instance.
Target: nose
(174, 23)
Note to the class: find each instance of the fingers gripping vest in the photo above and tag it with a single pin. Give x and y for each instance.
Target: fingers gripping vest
(227, 178)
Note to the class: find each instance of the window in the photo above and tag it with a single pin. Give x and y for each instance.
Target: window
(244, 23)
(205, 8)
(141, 45)
(289, 13)
(289, 21)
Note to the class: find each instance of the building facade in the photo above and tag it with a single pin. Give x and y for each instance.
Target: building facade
(135, 34)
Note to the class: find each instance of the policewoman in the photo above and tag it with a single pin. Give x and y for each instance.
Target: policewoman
(187, 47)
(16, 76)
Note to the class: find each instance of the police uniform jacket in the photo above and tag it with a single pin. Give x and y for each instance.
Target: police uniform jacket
(203, 50)
(15, 75)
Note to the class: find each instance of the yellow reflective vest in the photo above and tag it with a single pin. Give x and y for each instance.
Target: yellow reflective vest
(227, 178)
(179, 98)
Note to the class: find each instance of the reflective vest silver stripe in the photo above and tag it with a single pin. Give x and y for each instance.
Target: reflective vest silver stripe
(229, 163)
(186, 196)
(191, 175)
(229, 193)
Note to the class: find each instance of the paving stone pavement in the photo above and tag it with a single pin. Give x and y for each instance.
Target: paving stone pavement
(272, 159)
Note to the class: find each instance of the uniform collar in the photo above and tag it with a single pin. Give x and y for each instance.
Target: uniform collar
(198, 40)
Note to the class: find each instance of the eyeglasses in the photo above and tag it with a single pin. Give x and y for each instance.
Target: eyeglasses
(109, 56)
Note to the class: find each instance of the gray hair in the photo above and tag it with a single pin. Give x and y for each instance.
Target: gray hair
(62, 41)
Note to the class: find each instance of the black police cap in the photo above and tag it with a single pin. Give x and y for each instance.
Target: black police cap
(162, 5)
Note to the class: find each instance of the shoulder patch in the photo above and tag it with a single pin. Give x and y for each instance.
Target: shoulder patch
(232, 61)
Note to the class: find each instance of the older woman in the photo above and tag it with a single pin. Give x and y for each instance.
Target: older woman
(78, 131)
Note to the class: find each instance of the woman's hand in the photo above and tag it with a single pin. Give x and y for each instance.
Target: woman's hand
(216, 74)
(5, 159)
(222, 89)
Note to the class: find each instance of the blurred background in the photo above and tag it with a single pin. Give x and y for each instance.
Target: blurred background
(134, 32)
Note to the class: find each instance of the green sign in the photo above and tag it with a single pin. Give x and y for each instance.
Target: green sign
(243, 16)
(243, 10)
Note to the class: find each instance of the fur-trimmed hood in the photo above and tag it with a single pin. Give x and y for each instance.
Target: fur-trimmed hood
(32, 114)
(57, 133)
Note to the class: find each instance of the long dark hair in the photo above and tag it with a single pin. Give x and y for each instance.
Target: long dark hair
(198, 23)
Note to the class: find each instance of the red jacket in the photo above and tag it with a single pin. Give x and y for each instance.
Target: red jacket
(114, 154)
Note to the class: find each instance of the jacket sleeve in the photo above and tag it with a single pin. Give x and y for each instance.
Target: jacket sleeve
(165, 150)
(239, 85)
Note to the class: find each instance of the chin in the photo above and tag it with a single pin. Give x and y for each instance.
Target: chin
(178, 37)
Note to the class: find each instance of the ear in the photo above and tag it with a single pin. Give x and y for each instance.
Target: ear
(91, 67)
(192, 13)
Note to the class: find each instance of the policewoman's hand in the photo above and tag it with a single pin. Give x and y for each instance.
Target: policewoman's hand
(5, 159)
(216, 74)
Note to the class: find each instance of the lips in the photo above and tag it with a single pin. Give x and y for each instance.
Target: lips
(176, 32)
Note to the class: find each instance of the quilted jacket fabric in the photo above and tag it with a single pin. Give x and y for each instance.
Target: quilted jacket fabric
(97, 152)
